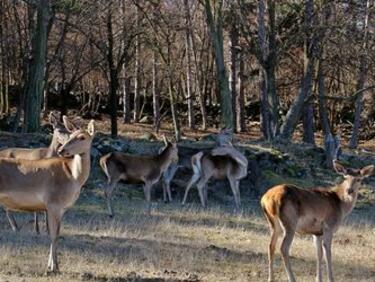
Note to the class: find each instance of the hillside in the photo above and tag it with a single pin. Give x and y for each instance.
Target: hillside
(188, 243)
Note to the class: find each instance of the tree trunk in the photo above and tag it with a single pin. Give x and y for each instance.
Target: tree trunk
(137, 92)
(34, 92)
(113, 77)
(240, 101)
(323, 114)
(295, 110)
(126, 98)
(234, 58)
(155, 91)
(189, 81)
(216, 31)
(362, 75)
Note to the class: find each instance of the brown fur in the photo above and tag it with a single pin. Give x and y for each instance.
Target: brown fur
(223, 165)
(317, 211)
(132, 169)
(60, 135)
(51, 185)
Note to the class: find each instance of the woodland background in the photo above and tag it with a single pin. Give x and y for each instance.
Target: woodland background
(193, 64)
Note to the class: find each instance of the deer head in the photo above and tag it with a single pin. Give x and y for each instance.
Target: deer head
(79, 141)
(353, 177)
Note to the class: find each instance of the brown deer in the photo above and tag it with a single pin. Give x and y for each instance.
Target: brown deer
(60, 135)
(52, 185)
(145, 170)
(318, 211)
(220, 163)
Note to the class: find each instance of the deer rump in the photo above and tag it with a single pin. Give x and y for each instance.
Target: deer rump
(219, 158)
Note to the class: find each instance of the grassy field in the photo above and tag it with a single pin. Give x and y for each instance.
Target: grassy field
(174, 243)
(188, 243)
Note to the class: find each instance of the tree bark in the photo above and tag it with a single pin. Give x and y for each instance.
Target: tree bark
(216, 31)
(113, 77)
(34, 92)
(362, 76)
(189, 81)
(234, 57)
(155, 91)
(295, 110)
(137, 92)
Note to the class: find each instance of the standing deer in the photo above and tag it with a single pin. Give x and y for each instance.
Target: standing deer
(222, 162)
(318, 211)
(52, 185)
(145, 170)
(60, 135)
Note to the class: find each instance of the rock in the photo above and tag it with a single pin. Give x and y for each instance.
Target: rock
(148, 136)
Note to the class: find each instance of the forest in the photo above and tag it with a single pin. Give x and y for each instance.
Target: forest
(100, 96)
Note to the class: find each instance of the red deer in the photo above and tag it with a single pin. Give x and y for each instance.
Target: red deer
(133, 169)
(52, 185)
(60, 135)
(222, 162)
(318, 211)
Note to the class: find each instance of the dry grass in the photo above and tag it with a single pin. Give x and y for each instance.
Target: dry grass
(174, 244)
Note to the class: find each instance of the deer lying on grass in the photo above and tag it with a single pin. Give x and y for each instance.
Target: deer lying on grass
(132, 169)
(317, 211)
(51, 185)
(222, 162)
(60, 135)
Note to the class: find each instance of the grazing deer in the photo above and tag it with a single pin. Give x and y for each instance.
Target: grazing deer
(132, 169)
(222, 162)
(60, 135)
(52, 185)
(319, 212)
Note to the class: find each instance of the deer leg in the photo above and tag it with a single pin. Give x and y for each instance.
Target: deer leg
(46, 220)
(327, 242)
(193, 180)
(12, 221)
(319, 254)
(54, 220)
(108, 194)
(36, 223)
(289, 230)
(201, 187)
(147, 191)
(168, 187)
(234, 185)
(271, 253)
(164, 191)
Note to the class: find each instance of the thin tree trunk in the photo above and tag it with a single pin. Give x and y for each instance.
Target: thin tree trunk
(240, 100)
(216, 31)
(113, 77)
(295, 110)
(234, 54)
(262, 58)
(155, 91)
(323, 113)
(126, 98)
(137, 92)
(189, 81)
(362, 76)
(34, 87)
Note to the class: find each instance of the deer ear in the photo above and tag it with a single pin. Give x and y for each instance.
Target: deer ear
(91, 127)
(367, 171)
(340, 169)
(165, 140)
(53, 119)
(69, 125)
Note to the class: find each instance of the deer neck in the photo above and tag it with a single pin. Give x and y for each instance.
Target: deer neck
(80, 167)
(348, 201)
(52, 148)
(164, 159)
